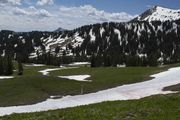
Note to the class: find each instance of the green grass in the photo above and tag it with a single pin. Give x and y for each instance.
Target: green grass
(109, 77)
(173, 88)
(33, 87)
(161, 107)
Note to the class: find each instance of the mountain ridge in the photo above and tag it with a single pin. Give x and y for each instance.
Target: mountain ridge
(60, 29)
(119, 42)
(158, 13)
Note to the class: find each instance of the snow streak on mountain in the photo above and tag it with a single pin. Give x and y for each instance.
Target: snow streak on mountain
(150, 39)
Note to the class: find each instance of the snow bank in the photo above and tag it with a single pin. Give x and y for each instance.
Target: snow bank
(35, 65)
(125, 92)
(6, 77)
(121, 66)
(79, 63)
(46, 71)
(77, 77)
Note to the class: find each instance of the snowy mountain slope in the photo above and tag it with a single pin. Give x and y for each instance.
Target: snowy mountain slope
(131, 39)
(134, 38)
(142, 38)
(158, 13)
(61, 41)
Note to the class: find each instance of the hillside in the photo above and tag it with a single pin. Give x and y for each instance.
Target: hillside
(135, 43)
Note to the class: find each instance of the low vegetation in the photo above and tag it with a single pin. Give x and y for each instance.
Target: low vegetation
(161, 107)
(173, 88)
(33, 87)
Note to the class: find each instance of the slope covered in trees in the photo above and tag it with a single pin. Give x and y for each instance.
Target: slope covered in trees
(137, 43)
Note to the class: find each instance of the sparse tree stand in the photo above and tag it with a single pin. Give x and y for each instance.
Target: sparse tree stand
(10, 65)
(20, 67)
(7, 65)
(1, 66)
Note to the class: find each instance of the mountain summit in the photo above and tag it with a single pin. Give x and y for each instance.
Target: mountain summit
(60, 30)
(158, 13)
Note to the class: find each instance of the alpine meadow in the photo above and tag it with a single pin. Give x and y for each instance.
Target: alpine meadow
(89, 60)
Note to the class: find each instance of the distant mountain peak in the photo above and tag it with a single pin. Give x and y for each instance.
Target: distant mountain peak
(60, 30)
(158, 13)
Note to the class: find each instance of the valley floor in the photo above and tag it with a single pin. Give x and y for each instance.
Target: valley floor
(125, 92)
(160, 107)
(34, 86)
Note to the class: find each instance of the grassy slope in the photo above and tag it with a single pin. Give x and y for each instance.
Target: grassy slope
(161, 107)
(32, 87)
(173, 88)
(104, 78)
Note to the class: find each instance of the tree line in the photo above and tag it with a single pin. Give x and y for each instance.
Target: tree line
(6, 65)
(136, 44)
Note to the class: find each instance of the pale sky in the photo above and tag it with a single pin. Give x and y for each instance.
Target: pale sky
(48, 15)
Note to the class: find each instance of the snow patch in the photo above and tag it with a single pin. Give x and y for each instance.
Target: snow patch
(77, 77)
(93, 37)
(35, 65)
(46, 71)
(6, 77)
(79, 40)
(102, 31)
(79, 63)
(119, 35)
(121, 66)
(125, 92)
(23, 41)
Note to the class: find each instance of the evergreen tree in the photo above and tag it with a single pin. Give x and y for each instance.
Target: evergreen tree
(152, 60)
(1, 66)
(107, 62)
(10, 65)
(7, 65)
(20, 66)
(93, 64)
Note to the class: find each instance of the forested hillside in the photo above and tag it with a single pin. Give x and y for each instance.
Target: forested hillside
(109, 44)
